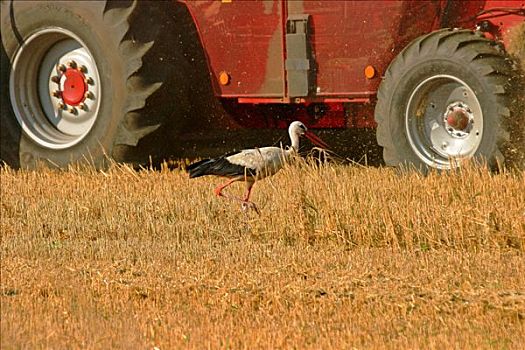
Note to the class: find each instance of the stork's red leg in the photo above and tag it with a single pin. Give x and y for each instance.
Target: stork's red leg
(218, 190)
(246, 200)
(249, 186)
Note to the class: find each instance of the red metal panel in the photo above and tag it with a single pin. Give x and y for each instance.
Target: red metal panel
(349, 35)
(244, 39)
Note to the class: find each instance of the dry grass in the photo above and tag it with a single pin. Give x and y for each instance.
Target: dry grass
(341, 257)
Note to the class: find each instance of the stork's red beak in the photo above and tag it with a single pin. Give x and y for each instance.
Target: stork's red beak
(315, 139)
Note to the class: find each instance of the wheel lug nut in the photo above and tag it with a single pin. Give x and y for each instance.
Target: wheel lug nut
(55, 79)
(71, 64)
(444, 145)
(61, 105)
(61, 68)
(90, 81)
(89, 95)
(56, 93)
(83, 106)
(83, 69)
(72, 110)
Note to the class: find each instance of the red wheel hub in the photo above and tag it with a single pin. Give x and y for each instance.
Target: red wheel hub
(458, 119)
(75, 87)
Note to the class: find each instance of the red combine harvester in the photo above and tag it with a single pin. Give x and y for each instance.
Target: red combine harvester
(84, 80)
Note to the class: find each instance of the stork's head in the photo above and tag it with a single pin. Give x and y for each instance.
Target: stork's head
(297, 128)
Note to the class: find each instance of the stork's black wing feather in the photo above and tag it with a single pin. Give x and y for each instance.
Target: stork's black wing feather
(218, 166)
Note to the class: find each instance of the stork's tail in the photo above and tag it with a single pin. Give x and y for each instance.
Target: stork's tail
(200, 168)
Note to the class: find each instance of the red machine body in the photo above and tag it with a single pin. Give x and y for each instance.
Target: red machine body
(139, 80)
(247, 48)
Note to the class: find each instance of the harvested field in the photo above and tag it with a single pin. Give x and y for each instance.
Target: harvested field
(340, 257)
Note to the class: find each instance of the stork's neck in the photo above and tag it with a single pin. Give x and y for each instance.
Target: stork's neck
(295, 141)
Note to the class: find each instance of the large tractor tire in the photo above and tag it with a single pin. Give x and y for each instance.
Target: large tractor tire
(448, 96)
(85, 81)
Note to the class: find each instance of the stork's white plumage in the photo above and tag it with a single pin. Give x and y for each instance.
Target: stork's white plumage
(254, 164)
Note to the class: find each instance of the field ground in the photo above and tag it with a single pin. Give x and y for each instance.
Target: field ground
(340, 257)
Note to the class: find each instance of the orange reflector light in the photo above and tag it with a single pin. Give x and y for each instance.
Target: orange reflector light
(224, 78)
(370, 72)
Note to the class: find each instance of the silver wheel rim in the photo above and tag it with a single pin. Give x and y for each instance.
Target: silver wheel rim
(41, 88)
(443, 121)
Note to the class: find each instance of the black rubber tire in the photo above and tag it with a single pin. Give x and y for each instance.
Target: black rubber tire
(479, 62)
(140, 69)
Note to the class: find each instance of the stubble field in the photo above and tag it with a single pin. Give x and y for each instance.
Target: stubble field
(340, 257)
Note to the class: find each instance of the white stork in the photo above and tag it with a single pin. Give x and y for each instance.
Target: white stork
(250, 165)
